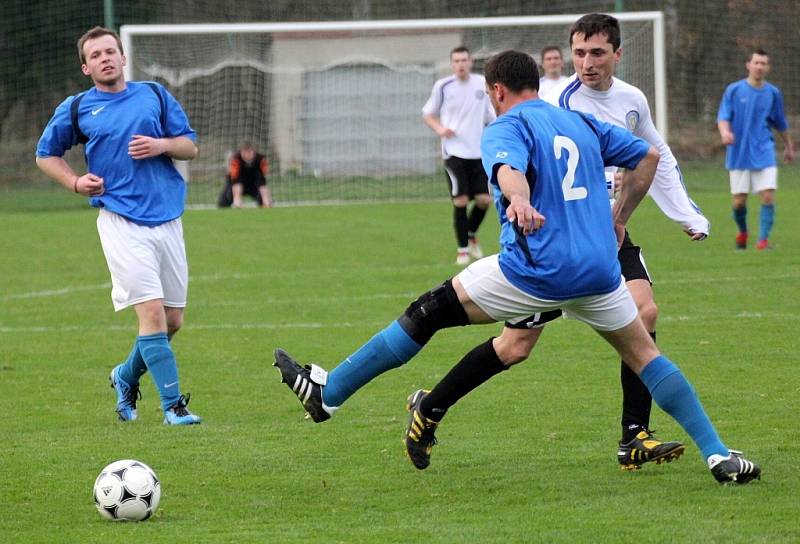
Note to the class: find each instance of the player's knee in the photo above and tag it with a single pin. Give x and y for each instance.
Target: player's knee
(483, 201)
(437, 309)
(460, 201)
(174, 323)
(648, 312)
(512, 353)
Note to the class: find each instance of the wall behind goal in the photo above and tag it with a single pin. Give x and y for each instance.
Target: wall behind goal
(707, 45)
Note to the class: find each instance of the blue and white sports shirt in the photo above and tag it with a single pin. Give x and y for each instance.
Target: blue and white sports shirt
(563, 155)
(146, 191)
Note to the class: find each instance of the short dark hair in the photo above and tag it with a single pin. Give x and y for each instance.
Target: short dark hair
(758, 51)
(94, 33)
(459, 49)
(597, 23)
(514, 69)
(547, 48)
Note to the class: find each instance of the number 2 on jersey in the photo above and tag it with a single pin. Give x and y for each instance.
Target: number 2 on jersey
(570, 192)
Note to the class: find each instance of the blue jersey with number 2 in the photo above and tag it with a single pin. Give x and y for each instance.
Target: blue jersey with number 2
(563, 155)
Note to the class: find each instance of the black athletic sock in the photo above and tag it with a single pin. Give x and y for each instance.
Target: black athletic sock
(476, 367)
(476, 216)
(636, 402)
(460, 223)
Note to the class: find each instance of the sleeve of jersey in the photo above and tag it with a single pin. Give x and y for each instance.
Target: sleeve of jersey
(58, 135)
(724, 113)
(434, 103)
(503, 143)
(777, 117)
(668, 191)
(177, 122)
(618, 146)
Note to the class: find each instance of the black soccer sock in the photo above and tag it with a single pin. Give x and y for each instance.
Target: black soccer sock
(476, 216)
(476, 367)
(460, 223)
(636, 402)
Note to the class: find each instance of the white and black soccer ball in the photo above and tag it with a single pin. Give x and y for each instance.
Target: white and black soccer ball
(127, 490)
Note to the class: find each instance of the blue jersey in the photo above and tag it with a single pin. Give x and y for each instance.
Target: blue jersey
(752, 113)
(563, 155)
(145, 191)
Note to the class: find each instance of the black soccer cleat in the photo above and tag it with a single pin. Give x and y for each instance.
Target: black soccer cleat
(305, 382)
(644, 448)
(735, 468)
(419, 437)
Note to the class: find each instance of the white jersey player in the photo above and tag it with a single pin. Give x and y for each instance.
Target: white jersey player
(626, 106)
(457, 111)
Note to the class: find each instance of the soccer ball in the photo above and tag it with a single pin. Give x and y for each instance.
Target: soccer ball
(127, 490)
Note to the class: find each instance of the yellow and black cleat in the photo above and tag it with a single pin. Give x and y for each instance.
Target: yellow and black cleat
(419, 438)
(644, 448)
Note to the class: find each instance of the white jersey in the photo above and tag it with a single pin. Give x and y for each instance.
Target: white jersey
(626, 106)
(547, 84)
(464, 108)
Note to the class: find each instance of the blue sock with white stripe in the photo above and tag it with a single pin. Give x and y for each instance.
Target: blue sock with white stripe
(740, 217)
(160, 360)
(133, 368)
(767, 219)
(675, 395)
(386, 350)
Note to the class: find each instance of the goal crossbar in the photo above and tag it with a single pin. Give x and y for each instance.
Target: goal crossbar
(656, 17)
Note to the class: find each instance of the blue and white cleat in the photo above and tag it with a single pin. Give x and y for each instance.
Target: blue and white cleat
(127, 395)
(177, 414)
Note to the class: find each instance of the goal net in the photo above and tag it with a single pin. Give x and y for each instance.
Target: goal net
(336, 107)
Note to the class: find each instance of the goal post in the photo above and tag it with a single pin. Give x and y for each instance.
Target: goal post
(337, 105)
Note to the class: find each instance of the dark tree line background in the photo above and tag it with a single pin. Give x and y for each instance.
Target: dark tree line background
(707, 45)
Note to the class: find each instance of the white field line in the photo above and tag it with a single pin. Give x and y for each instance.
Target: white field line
(63, 291)
(350, 325)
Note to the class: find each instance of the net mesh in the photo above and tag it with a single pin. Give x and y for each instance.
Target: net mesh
(338, 112)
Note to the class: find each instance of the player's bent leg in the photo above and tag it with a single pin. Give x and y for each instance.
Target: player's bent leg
(427, 408)
(439, 308)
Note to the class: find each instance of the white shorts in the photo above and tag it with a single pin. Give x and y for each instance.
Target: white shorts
(753, 181)
(146, 263)
(488, 287)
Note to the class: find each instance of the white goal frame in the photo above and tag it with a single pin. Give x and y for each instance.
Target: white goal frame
(127, 32)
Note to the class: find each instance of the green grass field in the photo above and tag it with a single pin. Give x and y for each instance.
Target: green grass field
(529, 457)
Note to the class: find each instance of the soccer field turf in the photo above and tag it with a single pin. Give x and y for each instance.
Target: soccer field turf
(528, 457)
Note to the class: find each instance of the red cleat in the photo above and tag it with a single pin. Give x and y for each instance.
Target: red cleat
(741, 240)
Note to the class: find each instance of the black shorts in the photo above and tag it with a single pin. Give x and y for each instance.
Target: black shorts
(633, 268)
(466, 177)
(631, 261)
(225, 199)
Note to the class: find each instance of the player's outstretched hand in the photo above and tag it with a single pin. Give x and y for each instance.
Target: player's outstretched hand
(89, 185)
(145, 147)
(524, 216)
(695, 236)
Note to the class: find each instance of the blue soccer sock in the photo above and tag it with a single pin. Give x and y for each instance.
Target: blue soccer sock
(740, 217)
(767, 219)
(675, 395)
(134, 367)
(386, 350)
(157, 355)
